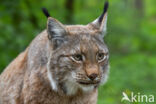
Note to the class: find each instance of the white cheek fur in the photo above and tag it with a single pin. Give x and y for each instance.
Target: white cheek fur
(71, 85)
(105, 76)
(52, 81)
(50, 77)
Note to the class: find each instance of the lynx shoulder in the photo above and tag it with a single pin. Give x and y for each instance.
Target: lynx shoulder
(65, 64)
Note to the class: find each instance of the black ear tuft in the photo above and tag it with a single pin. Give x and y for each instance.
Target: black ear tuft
(46, 13)
(104, 11)
(106, 6)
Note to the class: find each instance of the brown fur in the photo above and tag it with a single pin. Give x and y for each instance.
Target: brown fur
(19, 85)
(25, 80)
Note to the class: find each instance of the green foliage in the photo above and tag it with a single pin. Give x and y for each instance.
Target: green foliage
(130, 38)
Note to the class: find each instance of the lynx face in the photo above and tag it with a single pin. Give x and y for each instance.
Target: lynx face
(79, 56)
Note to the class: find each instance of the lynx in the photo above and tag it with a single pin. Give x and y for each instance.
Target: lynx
(65, 64)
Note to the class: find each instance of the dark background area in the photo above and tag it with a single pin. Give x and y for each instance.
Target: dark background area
(131, 38)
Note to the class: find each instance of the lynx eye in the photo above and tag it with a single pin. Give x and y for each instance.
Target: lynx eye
(77, 57)
(101, 57)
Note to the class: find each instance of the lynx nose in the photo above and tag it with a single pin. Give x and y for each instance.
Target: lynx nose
(92, 76)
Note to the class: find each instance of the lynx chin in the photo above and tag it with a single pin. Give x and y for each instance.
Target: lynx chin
(64, 64)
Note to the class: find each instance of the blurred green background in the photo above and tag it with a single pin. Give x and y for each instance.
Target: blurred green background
(131, 38)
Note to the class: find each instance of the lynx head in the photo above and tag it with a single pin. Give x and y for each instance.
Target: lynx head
(79, 57)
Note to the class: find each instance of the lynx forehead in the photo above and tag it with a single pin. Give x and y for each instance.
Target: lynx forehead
(66, 62)
(81, 29)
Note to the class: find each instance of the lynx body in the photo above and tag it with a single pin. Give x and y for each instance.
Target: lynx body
(64, 64)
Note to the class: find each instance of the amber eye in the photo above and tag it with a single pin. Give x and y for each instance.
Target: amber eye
(77, 57)
(101, 57)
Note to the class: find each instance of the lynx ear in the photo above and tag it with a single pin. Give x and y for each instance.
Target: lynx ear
(56, 32)
(101, 22)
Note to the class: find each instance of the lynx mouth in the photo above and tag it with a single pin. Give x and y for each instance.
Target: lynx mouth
(89, 83)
